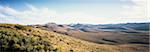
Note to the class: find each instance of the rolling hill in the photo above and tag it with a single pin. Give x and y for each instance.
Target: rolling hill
(103, 34)
(21, 38)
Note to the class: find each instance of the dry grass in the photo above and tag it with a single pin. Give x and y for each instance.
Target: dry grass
(58, 42)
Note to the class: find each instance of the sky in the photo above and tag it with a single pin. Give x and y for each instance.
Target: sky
(74, 11)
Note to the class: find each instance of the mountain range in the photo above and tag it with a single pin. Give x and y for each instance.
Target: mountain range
(106, 34)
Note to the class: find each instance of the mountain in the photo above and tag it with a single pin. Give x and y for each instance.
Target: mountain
(21, 38)
(125, 26)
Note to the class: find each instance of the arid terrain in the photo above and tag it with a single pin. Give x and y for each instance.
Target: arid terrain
(65, 38)
(74, 26)
(103, 34)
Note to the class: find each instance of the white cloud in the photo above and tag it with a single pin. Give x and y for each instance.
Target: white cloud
(139, 10)
(34, 15)
(31, 16)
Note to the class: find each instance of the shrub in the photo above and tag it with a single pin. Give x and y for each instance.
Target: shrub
(19, 27)
(71, 50)
(33, 39)
(13, 40)
(16, 46)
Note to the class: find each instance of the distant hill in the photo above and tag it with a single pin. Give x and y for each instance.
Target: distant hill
(125, 26)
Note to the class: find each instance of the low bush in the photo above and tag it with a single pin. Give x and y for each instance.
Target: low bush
(12, 39)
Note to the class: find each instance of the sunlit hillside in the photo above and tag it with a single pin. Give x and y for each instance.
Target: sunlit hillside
(15, 37)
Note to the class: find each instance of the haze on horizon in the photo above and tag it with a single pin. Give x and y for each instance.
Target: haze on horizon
(73, 11)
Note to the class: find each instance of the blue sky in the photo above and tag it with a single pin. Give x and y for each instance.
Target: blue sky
(73, 11)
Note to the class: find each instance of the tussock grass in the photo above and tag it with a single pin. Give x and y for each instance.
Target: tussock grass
(15, 37)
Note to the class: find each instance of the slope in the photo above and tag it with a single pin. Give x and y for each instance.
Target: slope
(15, 37)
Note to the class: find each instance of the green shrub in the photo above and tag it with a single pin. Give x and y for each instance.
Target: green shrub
(15, 26)
(11, 39)
(71, 50)
(33, 39)
(19, 27)
(16, 46)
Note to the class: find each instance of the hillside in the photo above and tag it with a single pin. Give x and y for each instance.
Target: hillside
(15, 37)
(103, 34)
